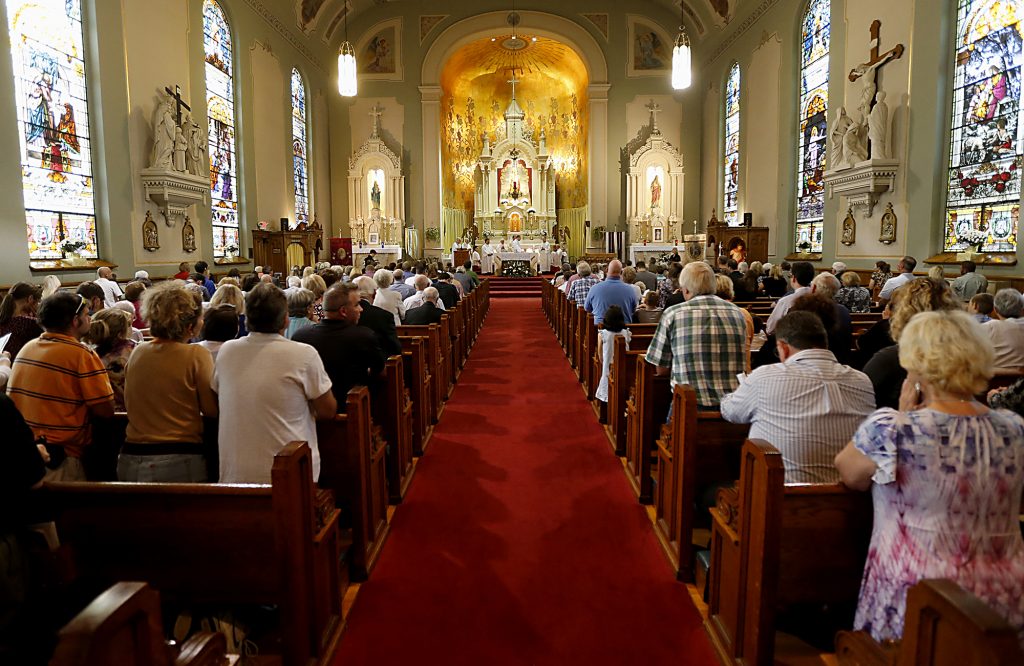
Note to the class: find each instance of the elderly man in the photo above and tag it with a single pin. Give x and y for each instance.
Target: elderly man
(808, 406)
(840, 330)
(428, 313)
(111, 290)
(969, 283)
(254, 425)
(701, 341)
(1006, 330)
(905, 268)
(417, 299)
(399, 285)
(581, 286)
(800, 282)
(378, 320)
(350, 353)
(612, 291)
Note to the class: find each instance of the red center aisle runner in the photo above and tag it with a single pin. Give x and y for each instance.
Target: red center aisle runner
(520, 542)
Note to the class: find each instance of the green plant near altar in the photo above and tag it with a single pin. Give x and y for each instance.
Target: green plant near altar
(597, 234)
(432, 234)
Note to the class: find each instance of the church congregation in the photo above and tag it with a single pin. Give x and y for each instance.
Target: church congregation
(357, 332)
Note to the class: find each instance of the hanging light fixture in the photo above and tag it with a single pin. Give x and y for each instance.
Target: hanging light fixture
(681, 75)
(347, 82)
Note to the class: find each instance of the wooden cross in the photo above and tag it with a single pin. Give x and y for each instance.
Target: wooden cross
(877, 61)
(176, 95)
(654, 109)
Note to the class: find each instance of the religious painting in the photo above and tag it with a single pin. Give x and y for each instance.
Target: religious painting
(731, 149)
(650, 49)
(812, 124)
(985, 153)
(375, 189)
(150, 234)
(373, 239)
(300, 146)
(220, 103)
(308, 13)
(378, 55)
(887, 230)
(659, 234)
(849, 236)
(48, 56)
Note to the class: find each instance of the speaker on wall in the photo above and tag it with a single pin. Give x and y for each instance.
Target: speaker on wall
(748, 219)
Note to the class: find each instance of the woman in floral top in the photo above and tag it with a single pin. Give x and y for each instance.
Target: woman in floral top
(946, 475)
(670, 284)
(855, 297)
(879, 276)
(108, 336)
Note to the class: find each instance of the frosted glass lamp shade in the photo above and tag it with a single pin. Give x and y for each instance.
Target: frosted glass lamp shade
(347, 82)
(681, 76)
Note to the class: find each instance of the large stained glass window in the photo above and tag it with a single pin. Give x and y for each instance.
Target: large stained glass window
(985, 150)
(810, 194)
(731, 152)
(220, 105)
(53, 122)
(300, 172)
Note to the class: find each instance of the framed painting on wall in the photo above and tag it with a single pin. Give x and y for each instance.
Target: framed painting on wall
(379, 52)
(659, 235)
(649, 51)
(373, 239)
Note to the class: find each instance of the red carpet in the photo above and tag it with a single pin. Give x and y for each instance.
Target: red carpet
(520, 542)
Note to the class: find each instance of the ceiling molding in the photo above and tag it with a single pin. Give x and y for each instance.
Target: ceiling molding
(740, 30)
(282, 29)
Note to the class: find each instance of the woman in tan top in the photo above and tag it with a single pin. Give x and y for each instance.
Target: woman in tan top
(167, 392)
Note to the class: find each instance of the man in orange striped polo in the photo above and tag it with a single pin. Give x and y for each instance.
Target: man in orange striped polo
(57, 383)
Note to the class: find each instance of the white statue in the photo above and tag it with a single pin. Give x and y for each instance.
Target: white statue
(839, 127)
(163, 135)
(194, 152)
(180, 145)
(867, 96)
(878, 123)
(855, 147)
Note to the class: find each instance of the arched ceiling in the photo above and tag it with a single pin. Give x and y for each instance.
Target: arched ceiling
(537, 55)
(326, 16)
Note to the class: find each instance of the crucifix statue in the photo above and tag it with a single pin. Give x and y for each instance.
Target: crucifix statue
(513, 81)
(870, 68)
(377, 111)
(179, 102)
(654, 108)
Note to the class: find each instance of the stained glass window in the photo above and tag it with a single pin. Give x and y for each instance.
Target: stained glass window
(810, 194)
(220, 104)
(985, 150)
(300, 173)
(731, 177)
(53, 121)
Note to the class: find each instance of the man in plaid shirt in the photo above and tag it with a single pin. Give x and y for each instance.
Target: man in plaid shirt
(701, 340)
(580, 287)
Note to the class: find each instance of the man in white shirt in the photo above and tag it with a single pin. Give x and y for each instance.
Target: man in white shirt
(905, 268)
(1006, 331)
(800, 282)
(417, 299)
(808, 406)
(111, 290)
(487, 258)
(254, 425)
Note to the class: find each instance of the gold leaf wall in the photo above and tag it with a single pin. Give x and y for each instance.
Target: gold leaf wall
(552, 91)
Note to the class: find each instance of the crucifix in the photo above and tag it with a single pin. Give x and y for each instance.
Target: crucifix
(654, 108)
(513, 81)
(179, 102)
(876, 61)
(377, 111)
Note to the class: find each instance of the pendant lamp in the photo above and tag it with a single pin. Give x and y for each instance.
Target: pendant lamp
(681, 76)
(347, 82)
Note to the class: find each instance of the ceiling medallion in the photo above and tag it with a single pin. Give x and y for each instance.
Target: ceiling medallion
(514, 43)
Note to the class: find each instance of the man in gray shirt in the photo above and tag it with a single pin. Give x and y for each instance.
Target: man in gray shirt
(969, 283)
(645, 277)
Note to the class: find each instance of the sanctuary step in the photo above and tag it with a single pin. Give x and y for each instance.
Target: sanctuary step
(509, 287)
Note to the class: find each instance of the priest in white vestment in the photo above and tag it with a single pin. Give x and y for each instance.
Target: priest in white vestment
(487, 260)
(516, 245)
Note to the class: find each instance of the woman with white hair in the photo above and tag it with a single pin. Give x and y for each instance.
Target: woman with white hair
(386, 299)
(300, 310)
(946, 475)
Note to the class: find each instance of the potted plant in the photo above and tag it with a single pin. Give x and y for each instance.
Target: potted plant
(804, 247)
(974, 239)
(231, 251)
(72, 251)
(432, 234)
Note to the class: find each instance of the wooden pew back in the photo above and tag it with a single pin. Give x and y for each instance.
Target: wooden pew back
(646, 410)
(420, 384)
(438, 366)
(620, 383)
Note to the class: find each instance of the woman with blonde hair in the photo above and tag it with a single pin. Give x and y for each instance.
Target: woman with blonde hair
(318, 286)
(307, 271)
(386, 298)
(774, 283)
(229, 294)
(51, 285)
(917, 296)
(109, 335)
(946, 475)
(167, 392)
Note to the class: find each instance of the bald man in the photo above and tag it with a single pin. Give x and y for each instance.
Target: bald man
(612, 291)
(111, 290)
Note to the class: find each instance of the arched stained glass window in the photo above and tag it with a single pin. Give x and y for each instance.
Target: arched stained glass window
(985, 150)
(731, 150)
(48, 54)
(813, 109)
(220, 109)
(300, 148)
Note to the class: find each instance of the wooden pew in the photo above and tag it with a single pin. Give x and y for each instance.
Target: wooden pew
(587, 351)
(420, 385)
(449, 361)
(774, 547)
(620, 383)
(697, 449)
(217, 544)
(436, 363)
(646, 410)
(108, 436)
(642, 333)
(123, 627)
(394, 415)
(352, 466)
(944, 626)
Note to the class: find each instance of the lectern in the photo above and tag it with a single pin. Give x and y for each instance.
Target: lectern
(278, 251)
(755, 239)
(460, 258)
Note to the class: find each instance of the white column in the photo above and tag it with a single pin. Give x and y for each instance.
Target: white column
(431, 129)
(597, 146)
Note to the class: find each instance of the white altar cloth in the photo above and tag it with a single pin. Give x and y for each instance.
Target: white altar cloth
(532, 257)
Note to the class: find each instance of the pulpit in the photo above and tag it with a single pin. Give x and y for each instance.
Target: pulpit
(724, 239)
(460, 258)
(278, 251)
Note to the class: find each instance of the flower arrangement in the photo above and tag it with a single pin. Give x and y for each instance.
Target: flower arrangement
(597, 234)
(232, 248)
(69, 246)
(972, 237)
(804, 247)
(519, 269)
(432, 234)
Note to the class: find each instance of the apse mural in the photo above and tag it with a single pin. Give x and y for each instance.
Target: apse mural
(551, 88)
(985, 142)
(53, 116)
(220, 104)
(731, 151)
(300, 146)
(814, 56)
